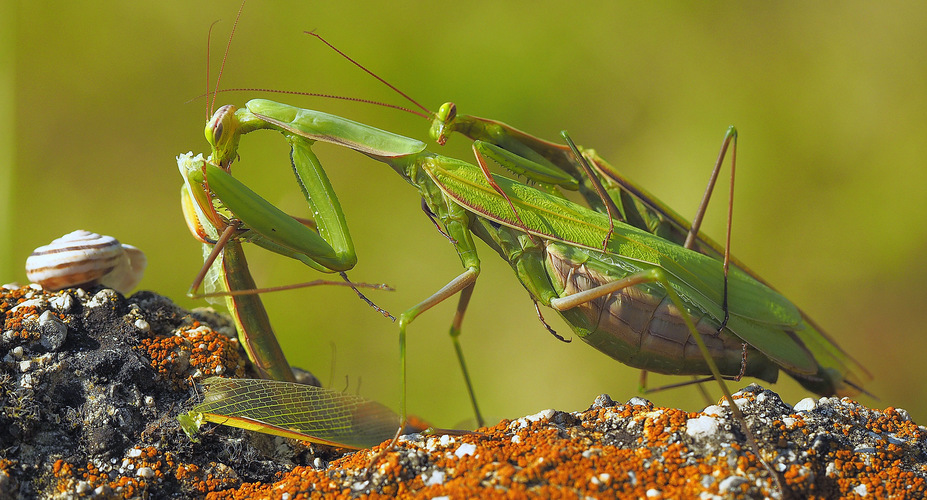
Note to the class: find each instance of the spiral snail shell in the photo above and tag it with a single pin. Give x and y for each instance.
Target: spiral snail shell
(83, 258)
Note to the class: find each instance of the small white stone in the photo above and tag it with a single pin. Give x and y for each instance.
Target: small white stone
(465, 449)
(541, 415)
(37, 303)
(82, 488)
(653, 493)
(861, 490)
(713, 410)
(134, 452)
(142, 325)
(62, 303)
(436, 477)
(18, 352)
(25, 365)
(638, 401)
(54, 332)
(145, 472)
(806, 404)
(702, 427)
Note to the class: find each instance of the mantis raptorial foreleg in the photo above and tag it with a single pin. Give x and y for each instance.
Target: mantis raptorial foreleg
(222, 226)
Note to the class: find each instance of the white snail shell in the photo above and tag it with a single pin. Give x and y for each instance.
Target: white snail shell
(83, 258)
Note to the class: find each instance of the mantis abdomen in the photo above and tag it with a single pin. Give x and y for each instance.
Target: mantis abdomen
(641, 327)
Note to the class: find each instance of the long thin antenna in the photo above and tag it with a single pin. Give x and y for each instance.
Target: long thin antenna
(208, 51)
(371, 73)
(316, 94)
(225, 57)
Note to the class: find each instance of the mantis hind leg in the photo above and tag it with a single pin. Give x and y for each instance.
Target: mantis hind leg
(462, 304)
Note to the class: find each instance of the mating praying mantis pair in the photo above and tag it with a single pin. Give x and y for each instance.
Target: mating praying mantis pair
(642, 299)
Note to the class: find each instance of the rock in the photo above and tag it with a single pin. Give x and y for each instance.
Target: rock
(90, 411)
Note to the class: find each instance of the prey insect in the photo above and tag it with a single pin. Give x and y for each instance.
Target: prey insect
(222, 212)
(292, 410)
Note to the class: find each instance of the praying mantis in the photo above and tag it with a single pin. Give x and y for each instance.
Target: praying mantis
(550, 233)
(278, 405)
(551, 166)
(579, 262)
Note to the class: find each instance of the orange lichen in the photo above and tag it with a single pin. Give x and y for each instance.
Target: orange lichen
(13, 320)
(135, 476)
(568, 457)
(192, 348)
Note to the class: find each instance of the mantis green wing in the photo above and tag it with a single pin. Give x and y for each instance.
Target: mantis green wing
(758, 314)
(638, 207)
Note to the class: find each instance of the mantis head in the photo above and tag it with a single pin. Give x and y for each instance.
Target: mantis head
(444, 123)
(222, 134)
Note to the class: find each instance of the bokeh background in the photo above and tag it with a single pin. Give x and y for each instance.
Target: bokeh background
(830, 102)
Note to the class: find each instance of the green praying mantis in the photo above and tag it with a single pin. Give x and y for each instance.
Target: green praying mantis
(275, 404)
(555, 247)
(552, 166)
(639, 298)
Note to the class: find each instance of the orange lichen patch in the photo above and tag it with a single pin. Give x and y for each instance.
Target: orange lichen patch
(636, 451)
(14, 317)
(567, 455)
(138, 473)
(193, 350)
(10, 297)
(192, 478)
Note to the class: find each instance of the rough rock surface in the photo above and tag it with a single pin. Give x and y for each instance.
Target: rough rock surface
(91, 383)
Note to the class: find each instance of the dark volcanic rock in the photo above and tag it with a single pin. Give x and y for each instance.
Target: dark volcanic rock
(91, 384)
(91, 410)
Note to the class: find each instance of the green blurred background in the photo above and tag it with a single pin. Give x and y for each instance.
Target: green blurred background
(831, 105)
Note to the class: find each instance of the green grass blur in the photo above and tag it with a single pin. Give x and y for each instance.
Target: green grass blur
(830, 195)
